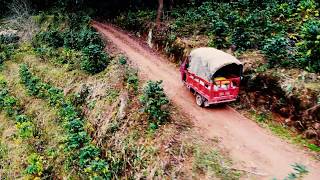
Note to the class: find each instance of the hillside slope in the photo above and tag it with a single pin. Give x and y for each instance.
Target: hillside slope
(250, 145)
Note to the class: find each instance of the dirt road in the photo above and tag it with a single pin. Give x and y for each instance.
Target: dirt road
(251, 147)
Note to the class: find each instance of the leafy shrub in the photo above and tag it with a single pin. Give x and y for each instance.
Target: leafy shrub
(300, 171)
(74, 126)
(26, 129)
(219, 30)
(35, 165)
(132, 79)
(65, 45)
(52, 38)
(87, 154)
(94, 59)
(242, 36)
(77, 142)
(155, 103)
(277, 50)
(82, 38)
(69, 56)
(77, 21)
(10, 105)
(309, 46)
(99, 169)
(55, 96)
(122, 60)
(9, 38)
(32, 83)
(88, 36)
(70, 39)
(6, 51)
(22, 118)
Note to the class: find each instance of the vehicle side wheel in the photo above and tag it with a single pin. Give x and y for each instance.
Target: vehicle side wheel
(199, 100)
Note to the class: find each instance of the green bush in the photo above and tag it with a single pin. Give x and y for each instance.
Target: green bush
(87, 154)
(52, 38)
(26, 129)
(94, 59)
(10, 106)
(88, 36)
(155, 103)
(132, 79)
(83, 156)
(6, 51)
(69, 56)
(309, 46)
(244, 25)
(77, 20)
(278, 51)
(77, 44)
(219, 30)
(122, 60)
(83, 38)
(9, 39)
(32, 83)
(35, 165)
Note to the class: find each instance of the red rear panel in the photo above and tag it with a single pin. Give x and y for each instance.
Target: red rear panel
(218, 92)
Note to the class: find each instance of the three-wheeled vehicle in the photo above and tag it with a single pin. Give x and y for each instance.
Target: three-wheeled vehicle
(212, 75)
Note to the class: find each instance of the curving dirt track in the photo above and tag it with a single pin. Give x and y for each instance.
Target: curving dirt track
(251, 147)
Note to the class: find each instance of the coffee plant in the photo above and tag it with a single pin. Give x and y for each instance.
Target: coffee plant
(155, 103)
(11, 107)
(309, 46)
(8, 43)
(278, 51)
(9, 39)
(35, 165)
(84, 155)
(52, 38)
(77, 44)
(220, 34)
(242, 25)
(94, 59)
(83, 38)
(132, 79)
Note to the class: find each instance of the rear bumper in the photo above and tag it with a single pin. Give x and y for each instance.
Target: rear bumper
(221, 100)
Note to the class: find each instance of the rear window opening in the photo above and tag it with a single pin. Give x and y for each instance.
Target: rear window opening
(229, 71)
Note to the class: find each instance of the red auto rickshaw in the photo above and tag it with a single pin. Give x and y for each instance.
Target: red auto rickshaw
(212, 75)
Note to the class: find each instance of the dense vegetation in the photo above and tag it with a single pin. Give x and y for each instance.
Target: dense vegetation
(287, 32)
(10, 105)
(83, 154)
(7, 45)
(155, 101)
(70, 40)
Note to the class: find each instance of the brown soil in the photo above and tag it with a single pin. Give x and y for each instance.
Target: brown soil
(251, 147)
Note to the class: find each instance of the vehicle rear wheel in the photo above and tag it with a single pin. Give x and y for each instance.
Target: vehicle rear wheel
(199, 100)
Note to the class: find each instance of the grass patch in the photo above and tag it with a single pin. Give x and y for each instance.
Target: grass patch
(213, 164)
(265, 120)
(112, 94)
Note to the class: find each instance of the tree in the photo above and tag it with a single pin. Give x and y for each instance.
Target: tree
(159, 12)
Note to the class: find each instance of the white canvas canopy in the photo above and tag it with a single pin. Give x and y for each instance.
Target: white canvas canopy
(205, 62)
